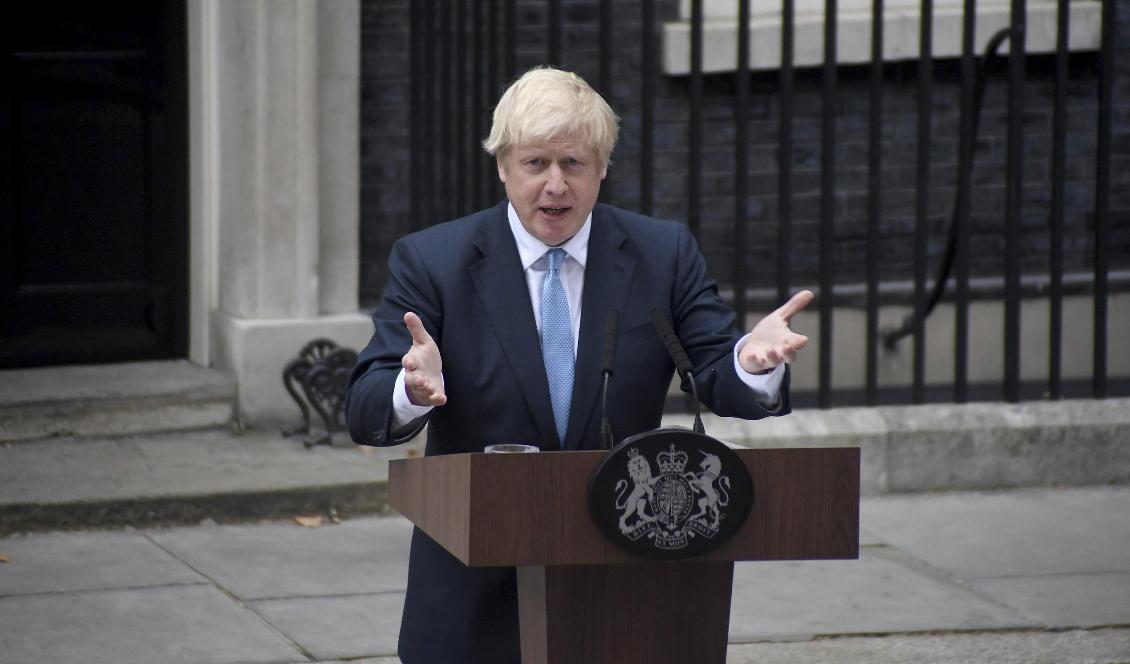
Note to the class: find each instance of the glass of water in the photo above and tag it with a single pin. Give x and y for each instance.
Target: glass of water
(510, 448)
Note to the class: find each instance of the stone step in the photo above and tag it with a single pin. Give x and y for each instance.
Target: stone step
(957, 447)
(185, 478)
(112, 399)
(223, 475)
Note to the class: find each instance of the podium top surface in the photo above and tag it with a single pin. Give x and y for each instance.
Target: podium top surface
(532, 509)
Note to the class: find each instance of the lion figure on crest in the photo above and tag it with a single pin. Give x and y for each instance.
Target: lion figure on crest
(704, 483)
(636, 503)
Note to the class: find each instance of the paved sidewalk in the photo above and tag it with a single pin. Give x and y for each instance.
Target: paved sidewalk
(1029, 576)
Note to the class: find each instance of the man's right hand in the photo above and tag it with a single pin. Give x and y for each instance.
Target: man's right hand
(423, 368)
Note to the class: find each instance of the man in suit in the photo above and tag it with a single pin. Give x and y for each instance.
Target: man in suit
(490, 331)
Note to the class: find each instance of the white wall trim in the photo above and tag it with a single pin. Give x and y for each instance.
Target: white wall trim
(307, 103)
(273, 137)
(256, 350)
(853, 40)
(204, 175)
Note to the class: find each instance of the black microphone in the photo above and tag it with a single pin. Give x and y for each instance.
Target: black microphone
(671, 341)
(682, 362)
(611, 331)
(607, 360)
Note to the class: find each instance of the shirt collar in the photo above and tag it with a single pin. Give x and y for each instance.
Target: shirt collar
(530, 249)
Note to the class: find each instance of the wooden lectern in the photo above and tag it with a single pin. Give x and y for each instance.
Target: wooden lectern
(584, 599)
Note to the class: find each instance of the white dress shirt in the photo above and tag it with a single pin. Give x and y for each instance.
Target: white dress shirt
(765, 388)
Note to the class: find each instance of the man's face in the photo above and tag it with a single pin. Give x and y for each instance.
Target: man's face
(552, 185)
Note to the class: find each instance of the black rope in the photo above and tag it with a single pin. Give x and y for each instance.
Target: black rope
(890, 336)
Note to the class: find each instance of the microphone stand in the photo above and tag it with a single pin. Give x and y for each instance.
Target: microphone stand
(698, 428)
(605, 426)
(611, 331)
(682, 362)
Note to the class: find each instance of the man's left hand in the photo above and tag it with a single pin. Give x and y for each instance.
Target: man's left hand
(771, 342)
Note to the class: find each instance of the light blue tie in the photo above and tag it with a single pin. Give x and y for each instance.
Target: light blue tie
(557, 341)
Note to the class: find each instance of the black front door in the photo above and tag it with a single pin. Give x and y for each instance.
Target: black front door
(93, 232)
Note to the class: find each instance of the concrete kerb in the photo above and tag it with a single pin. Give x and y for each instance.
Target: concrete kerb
(957, 447)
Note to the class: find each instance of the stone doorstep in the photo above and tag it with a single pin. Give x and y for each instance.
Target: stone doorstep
(184, 478)
(336, 501)
(116, 417)
(19, 387)
(114, 399)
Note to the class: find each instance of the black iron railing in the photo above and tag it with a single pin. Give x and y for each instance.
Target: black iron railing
(464, 52)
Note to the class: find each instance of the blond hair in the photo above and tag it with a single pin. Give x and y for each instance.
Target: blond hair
(546, 103)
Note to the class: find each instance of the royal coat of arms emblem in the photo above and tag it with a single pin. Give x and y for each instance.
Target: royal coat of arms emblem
(676, 504)
(671, 493)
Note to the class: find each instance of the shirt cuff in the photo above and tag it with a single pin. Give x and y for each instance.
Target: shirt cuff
(766, 388)
(404, 412)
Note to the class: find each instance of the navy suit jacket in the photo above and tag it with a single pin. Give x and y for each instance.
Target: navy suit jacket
(464, 278)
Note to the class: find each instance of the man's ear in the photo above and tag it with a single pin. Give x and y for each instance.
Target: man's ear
(501, 168)
(604, 171)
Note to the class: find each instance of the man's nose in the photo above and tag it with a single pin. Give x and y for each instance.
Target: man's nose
(555, 181)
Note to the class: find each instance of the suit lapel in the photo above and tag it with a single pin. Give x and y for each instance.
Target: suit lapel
(608, 273)
(502, 290)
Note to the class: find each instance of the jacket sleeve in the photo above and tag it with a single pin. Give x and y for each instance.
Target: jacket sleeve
(368, 402)
(708, 328)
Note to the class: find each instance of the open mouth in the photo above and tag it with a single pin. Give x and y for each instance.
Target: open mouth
(555, 212)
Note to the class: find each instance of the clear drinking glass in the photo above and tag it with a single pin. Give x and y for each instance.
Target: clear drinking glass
(510, 448)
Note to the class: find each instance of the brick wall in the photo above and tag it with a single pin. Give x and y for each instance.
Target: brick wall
(386, 182)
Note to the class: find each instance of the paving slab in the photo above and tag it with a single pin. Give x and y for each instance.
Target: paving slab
(874, 594)
(1065, 600)
(170, 625)
(1020, 532)
(286, 560)
(1076, 647)
(868, 538)
(87, 561)
(338, 627)
(283, 593)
